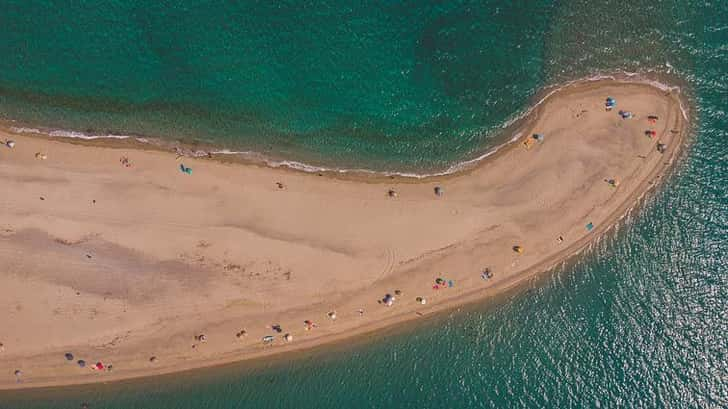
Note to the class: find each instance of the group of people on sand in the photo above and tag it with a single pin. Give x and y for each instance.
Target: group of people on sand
(81, 363)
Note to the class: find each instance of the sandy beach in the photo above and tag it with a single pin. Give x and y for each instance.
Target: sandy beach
(115, 255)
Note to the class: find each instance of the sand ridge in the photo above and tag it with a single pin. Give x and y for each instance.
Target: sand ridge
(119, 264)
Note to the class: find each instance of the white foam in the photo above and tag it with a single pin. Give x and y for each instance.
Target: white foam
(60, 133)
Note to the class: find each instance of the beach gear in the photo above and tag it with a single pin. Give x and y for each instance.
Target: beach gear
(268, 339)
(528, 143)
(518, 249)
(589, 226)
(10, 144)
(185, 169)
(309, 325)
(538, 137)
(610, 103)
(625, 114)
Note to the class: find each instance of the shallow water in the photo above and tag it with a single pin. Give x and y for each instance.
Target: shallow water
(639, 321)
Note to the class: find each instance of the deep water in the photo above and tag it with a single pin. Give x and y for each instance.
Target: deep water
(641, 320)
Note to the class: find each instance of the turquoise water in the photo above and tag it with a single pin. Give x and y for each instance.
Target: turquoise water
(639, 321)
(395, 86)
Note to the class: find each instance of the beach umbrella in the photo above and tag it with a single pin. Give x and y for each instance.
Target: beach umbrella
(69, 356)
(81, 363)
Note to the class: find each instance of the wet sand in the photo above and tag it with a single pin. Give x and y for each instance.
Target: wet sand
(119, 264)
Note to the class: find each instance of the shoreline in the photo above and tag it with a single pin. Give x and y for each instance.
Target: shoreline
(471, 296)
(509, 133)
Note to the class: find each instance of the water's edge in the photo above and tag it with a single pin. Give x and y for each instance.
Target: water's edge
(510, 131)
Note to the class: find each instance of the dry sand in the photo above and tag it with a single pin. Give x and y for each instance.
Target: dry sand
(118, 264)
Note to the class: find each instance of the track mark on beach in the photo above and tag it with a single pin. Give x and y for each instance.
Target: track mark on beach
(83, 239)
(6, 231)
(390, 257)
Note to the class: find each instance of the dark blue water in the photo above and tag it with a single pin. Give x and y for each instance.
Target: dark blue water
(640, 321)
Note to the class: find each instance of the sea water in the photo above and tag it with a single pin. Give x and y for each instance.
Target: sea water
(640, 320)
